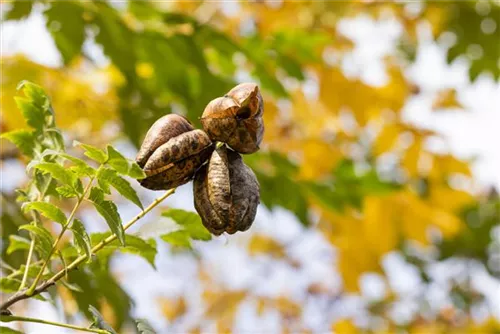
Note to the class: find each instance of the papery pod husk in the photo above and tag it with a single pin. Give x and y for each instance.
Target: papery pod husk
(226, 193)
(164, 129)
(236, 118)
(175, 162)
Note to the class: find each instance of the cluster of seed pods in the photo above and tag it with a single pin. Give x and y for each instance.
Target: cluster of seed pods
(226, 191)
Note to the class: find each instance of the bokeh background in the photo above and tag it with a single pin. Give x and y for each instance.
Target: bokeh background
(379, 170)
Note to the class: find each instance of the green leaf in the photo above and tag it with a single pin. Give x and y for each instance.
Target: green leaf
(109, 212)
(177, 238)
(7, 330)
(45, 239)
(133, 245)
(324, 194)
(35, 93)
(144, 327)
(81, 168)
(190, 222)
(20, 10)
(99, 320)
(23, 139)
(92, 152)
(100, 285)
(63, 262)
(96, 195)
(123, 165)
(117, 160)
(136, 171)
(108, 177)
(66, 191)
(81, 238)
(72, 287)
(67, 31)
(48, 210)
(58, 172)
(9, 284)
(472, 42)
(32, 272)
(33, 115)
(17, 242)
(292, 67)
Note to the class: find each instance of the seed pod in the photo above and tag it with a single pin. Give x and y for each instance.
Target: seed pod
(226, 193)
(172, 152)
(165, 128)
(236, 118)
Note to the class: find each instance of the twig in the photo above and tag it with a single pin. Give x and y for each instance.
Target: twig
(36, 220)
(59, 237)
(21, 295)
(9, 318)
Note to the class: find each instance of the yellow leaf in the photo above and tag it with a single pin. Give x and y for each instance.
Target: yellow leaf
(223, 304)
(444, 165)
(387, 139)
(172, 309)
(261, 306)
(415, 216)
(288, 308)
(319, 158)
(446, 99)
(365, 102)
(108, 312)
(448, 223)
(261, 244)
(223, 326)
(380, 227)
(446, 198)
(411, 158)
(344, 326)
(69, 302)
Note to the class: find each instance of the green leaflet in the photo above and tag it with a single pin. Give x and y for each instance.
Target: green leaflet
(81, 238)
(190, 222)
(48, 210)
(92, 152)
(99, 321)
(133, 245)
(108, 177)
(109, 212)
(58, 172)
(23, 139)
(45, 239)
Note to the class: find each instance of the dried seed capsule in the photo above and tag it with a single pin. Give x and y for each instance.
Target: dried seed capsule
(226, 193)
(165, 128)
(236, 118)
(172, 152)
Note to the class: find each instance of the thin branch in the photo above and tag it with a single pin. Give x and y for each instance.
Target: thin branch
(21, 295)
(9, 318)
(16, 273)
(36, 221)
(59, 237)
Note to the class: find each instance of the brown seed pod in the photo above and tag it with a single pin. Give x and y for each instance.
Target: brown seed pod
(236, 118)
(226, 193)
(165, 128)
(172, 152)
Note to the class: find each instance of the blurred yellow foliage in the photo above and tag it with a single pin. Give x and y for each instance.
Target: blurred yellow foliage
(261, 244)
(344, 326)
(172, 309)
(446, 99)
(85, 98)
